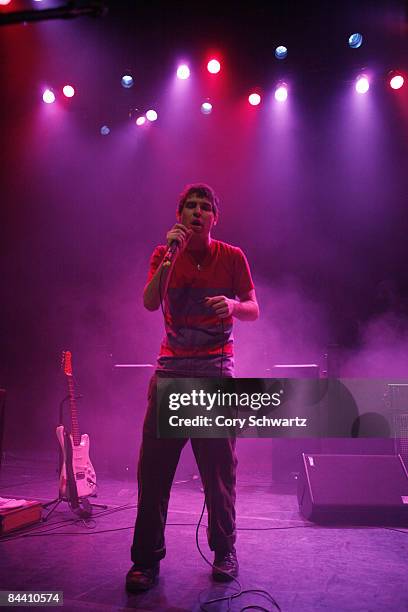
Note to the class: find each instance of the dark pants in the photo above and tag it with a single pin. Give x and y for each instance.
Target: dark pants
(158, 461)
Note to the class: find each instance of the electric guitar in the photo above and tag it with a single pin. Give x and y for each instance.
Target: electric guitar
(76, 458)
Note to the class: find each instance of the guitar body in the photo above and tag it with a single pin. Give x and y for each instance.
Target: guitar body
(82, 468)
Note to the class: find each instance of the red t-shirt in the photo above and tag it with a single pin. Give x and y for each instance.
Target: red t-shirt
(193, 331)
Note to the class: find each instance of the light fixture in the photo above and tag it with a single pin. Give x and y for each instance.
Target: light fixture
(68, 91)
(362, 84)
(183, 72)
(213, 66)
(355, 40)
(151, 115)
(281, 52)
(254, 99)
(281, 92)
(206, 108)
(48, 96)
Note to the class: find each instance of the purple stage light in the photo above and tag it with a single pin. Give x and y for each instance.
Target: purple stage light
(183, 72)
(397, 81)
(151, 115)
(68, 91)
(141, 120)
(254, 99)
(362, 84)
(48, 96)
(213, 66)
(281, 93)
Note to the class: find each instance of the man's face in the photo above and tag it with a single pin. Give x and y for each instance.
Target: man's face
(197, 214)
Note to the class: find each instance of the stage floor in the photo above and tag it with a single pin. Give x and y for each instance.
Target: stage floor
(306, 568)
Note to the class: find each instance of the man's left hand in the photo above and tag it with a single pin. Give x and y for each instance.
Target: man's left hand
(222, 306)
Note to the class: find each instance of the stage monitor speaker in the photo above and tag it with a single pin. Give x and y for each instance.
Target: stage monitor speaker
(353, 489)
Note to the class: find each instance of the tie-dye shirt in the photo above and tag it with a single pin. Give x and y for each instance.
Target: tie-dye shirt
(197, 342)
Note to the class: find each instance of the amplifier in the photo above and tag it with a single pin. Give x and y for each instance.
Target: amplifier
(353, 489)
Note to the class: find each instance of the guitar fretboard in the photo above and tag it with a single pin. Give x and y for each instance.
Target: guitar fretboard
(76, 436)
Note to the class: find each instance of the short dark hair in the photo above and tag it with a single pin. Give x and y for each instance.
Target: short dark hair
(202, 191)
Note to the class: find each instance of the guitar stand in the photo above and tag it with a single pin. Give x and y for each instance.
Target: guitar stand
(83, 507)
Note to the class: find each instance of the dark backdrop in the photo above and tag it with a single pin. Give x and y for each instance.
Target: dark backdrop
(314, 191)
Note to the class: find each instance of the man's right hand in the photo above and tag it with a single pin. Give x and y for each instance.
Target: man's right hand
(181, 234)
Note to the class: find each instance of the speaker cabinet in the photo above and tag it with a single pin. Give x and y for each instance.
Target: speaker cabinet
(353, 489)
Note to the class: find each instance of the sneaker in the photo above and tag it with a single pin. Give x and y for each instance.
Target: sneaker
(225, 566)
(141, 578)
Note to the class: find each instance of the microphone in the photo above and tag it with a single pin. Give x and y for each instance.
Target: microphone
(170, 253)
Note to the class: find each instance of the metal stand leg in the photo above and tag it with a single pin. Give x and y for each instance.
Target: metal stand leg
(54, 503)
(85, 506)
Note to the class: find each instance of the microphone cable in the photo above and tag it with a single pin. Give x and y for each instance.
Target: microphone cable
(227, 598)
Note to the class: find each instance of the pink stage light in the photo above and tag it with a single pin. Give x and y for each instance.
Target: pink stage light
(362, 85)
(151, 115)
(4, 2)
(213, 66)
(68, 91)
(48, 96)
(183, 72)
(254, 99)
(141, 120)
(281, 93)
(397, 81)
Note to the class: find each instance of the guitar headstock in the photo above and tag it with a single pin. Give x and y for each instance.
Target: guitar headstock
(66, 363)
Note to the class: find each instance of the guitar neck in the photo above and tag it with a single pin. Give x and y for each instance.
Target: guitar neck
(76, 436)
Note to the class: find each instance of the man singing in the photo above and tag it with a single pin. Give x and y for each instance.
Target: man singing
(201, 284)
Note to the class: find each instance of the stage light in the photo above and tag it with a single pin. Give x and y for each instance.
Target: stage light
(355, 40)
(141, 120)
(281, 52)
(151, 115)
(206, 108)
(127, 81)
(254, 99)
(48, 96)
(105, 130)
(362, 84)
(183, 72)
(281, 92)
(396, 81)
(68, 91)
(213, 66)
(4, 2)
